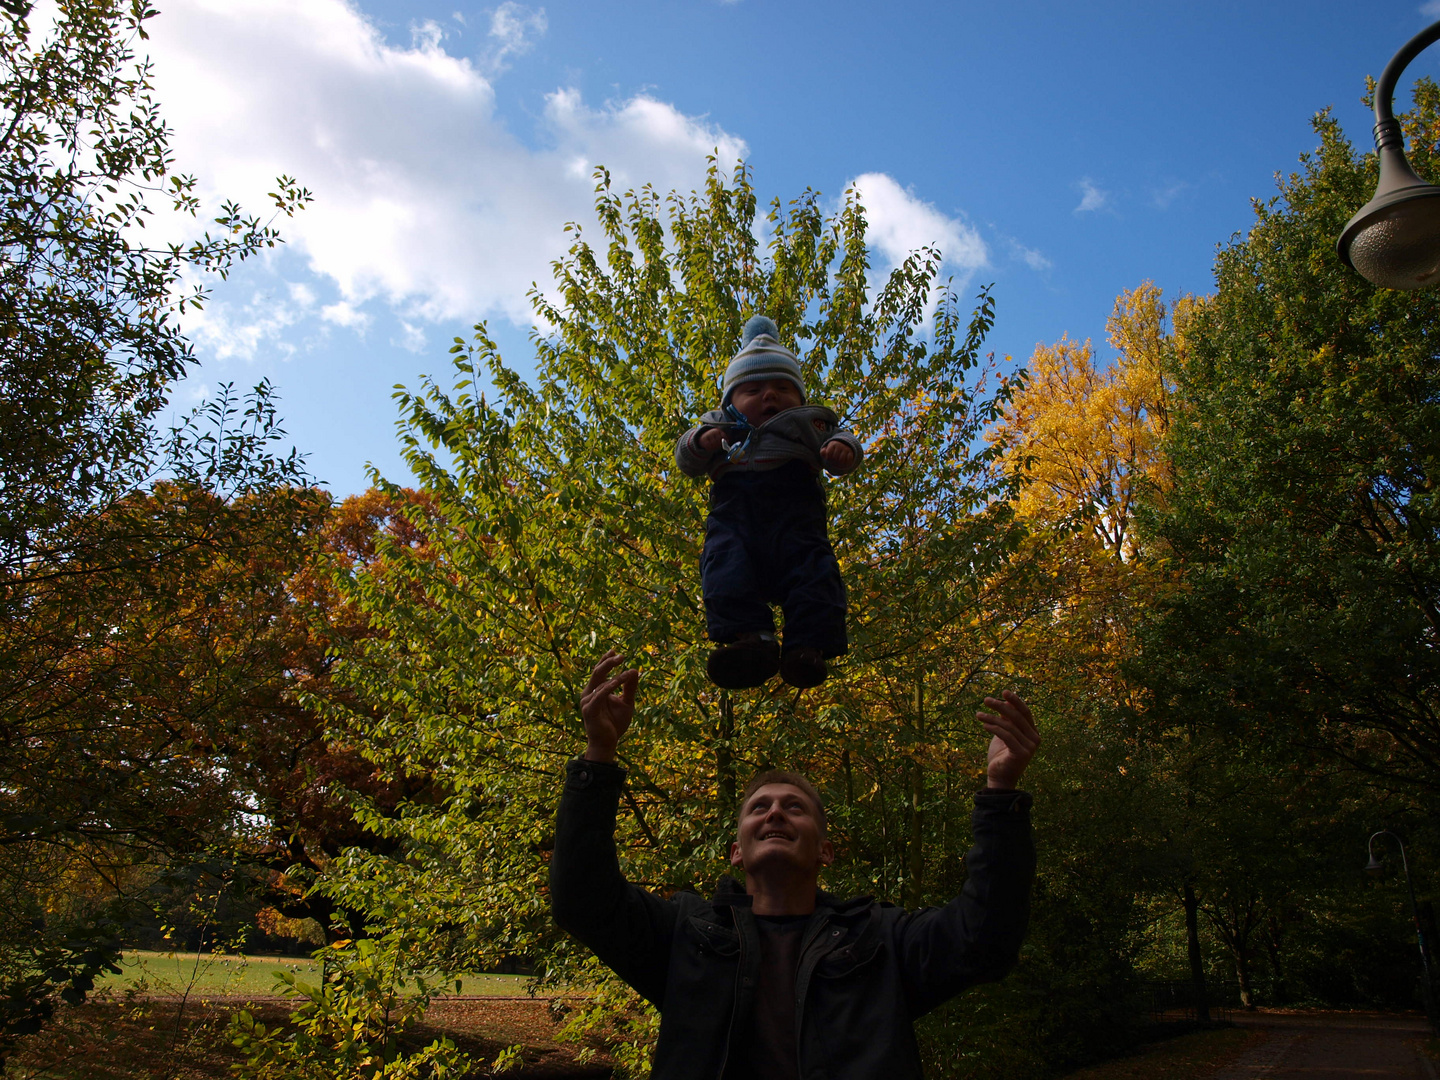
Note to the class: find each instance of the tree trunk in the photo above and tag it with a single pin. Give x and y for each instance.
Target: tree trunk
(1242, 975)
(1278, 990)
(1197, 964)
(915, 847)
(1235, 920)
(725, 758)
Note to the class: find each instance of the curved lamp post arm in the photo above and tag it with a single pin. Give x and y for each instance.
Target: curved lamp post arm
(1370, 846)
(1394, 240)
(1390, 77)
(1409, 885)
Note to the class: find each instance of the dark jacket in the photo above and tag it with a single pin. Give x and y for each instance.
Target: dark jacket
(867, 969)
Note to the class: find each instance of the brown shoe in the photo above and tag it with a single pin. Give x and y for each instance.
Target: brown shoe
(748, 661)
(803, 667)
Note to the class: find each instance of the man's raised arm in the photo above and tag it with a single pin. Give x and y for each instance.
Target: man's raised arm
(626, 927)
(976, 937)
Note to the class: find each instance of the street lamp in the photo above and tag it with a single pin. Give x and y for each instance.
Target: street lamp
(1375, 867)
(1394, 241)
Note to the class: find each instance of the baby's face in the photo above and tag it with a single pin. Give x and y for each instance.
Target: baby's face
(758, 401)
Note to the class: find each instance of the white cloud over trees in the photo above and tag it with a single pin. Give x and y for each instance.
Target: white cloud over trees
(424, 200)
(900, 222)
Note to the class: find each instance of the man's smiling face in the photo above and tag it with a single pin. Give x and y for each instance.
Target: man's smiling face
(780, 827)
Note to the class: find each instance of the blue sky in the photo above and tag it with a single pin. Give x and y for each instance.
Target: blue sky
(1062, 151)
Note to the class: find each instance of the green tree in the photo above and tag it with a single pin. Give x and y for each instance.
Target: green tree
(1186, 843)
(1293, 641)
(1303, 518)
(350, 1026)
(90, 311)
(561, 527)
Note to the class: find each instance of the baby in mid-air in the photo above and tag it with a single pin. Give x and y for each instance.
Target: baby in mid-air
(766, 539)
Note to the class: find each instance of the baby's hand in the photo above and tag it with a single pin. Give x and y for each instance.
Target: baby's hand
(710, 440)
(838, 457)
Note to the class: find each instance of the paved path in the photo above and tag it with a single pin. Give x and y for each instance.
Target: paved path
(1332, 1046)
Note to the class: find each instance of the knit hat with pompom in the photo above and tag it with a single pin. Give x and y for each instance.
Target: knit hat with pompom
(761, 356)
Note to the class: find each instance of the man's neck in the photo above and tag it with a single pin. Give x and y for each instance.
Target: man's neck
(787, 895)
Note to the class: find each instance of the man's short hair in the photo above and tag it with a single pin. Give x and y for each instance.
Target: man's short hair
(784, 776)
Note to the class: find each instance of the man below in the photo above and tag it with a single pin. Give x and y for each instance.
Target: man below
(778, 980)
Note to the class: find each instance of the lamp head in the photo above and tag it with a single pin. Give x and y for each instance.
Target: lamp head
(1394, 241)
(1375, 868)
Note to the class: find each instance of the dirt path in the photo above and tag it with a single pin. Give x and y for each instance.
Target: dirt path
(1332, 1046)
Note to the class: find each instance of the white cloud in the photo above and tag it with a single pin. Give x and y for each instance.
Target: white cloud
(1091, 197)
(1430, 9)
(900, 222)
(423, 199)
(1162, 197)
(514, 28)
(344, 313)
(426, 35)
(412, 337)
(226, 329)
(1032, 258)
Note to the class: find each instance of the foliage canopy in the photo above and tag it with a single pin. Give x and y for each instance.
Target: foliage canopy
(1304, 516)
(97, 753)
(562, 527)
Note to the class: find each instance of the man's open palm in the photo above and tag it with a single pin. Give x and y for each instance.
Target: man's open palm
(607, 706)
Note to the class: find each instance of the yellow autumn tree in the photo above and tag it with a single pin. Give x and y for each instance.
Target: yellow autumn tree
(1089, 436)
(1088, 439)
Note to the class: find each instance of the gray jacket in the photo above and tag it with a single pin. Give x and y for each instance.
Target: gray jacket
(795, 434)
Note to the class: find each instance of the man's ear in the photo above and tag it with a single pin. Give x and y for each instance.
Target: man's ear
(736, 860)
(827, 853)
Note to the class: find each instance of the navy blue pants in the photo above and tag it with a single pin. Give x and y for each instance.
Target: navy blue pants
(767, 542)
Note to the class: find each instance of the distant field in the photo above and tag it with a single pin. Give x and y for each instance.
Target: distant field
(211, 976)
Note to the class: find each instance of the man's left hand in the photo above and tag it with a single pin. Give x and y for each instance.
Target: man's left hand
(1014, 740)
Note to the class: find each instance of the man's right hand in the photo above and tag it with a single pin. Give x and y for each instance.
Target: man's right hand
(607, 706)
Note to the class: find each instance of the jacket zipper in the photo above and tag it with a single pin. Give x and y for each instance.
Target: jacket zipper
(802, 986)
(735, 1002)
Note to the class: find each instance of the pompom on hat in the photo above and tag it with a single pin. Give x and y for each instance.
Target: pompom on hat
(761, 356)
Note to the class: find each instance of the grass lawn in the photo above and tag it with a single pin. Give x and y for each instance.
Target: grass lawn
(115, 1038)
(210, 975)
(1196, 1056)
